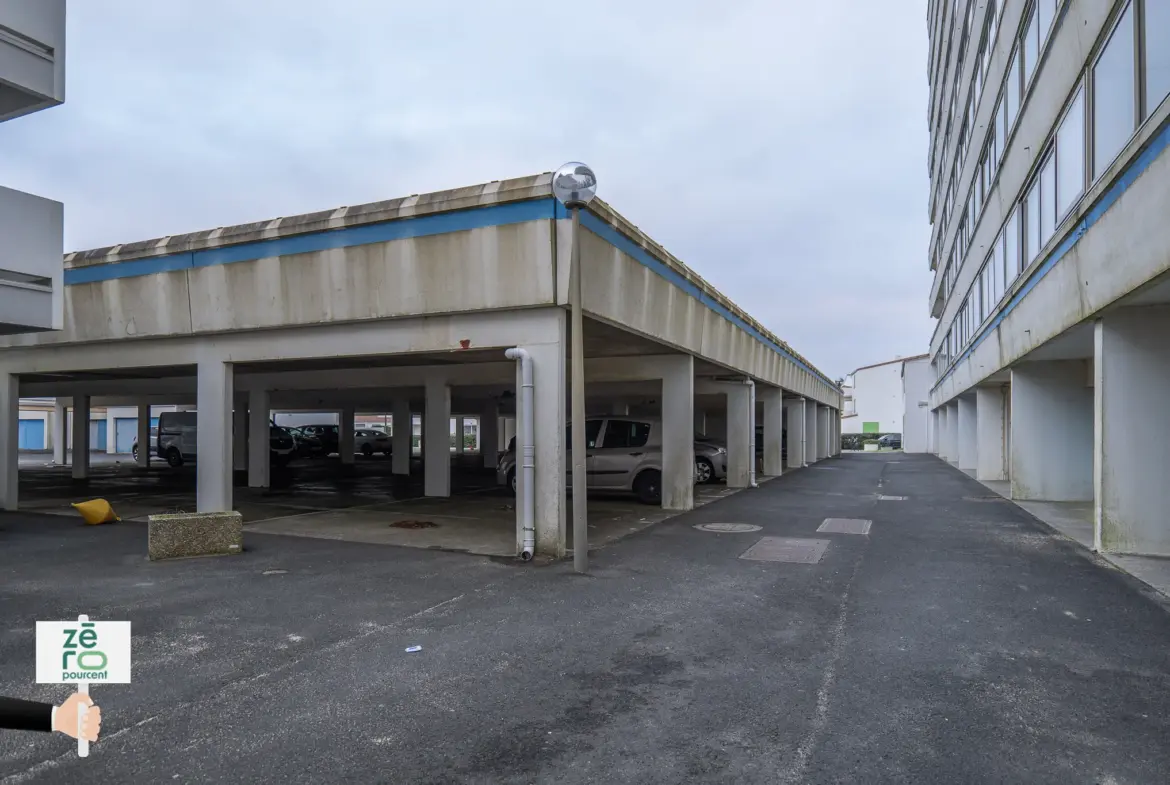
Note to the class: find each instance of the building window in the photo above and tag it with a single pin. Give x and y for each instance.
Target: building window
(1032, 224)
(1011, 248)
(1012, 94)
(1031, 46)
(995, 273)
(1046, 13)
(1070, 156)
(999, 133)
(1114, 114)
(1157, 49)
(1047, 200)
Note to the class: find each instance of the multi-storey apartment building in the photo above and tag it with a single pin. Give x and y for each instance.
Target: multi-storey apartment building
(1050, 205)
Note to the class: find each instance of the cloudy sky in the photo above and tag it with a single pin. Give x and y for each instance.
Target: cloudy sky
(776, 146)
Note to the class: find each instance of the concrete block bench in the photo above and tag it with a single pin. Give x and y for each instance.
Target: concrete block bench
(194, 534)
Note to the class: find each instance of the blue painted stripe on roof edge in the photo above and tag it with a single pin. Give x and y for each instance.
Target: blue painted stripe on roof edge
(627, 246)
(1136, 169)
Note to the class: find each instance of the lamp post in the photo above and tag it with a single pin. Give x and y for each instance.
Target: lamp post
(575, 185)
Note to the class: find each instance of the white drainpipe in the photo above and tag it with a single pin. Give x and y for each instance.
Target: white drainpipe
(525, 437)
(751, 432)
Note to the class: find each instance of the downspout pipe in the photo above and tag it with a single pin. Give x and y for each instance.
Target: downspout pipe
(751, 432)
(526, 520)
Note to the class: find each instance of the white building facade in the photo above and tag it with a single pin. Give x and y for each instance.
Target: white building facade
(877, 398)
(1050, 185)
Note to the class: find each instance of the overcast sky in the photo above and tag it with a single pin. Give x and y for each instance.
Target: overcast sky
(776, 146)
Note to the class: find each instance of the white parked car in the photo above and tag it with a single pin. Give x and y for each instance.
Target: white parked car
(370, 442)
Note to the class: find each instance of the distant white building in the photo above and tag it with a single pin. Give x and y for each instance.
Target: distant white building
(876, 398)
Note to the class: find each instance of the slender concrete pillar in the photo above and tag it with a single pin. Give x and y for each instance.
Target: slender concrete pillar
(932, 426)
(773, 398)
(9, 440)
(953, 432)
(400, 439)
(1052, 431)
(678, 433)
(1132, 431)
(739, 447)
(213, 470)
(489, 424)
(822, 432)
(111, 445)
(811, 432)
(991, 457)
(550, 394)
(460, 434)
(345, 435)
(796, 421)
(259, 460)
(437, 439)
(60, 431)
(143, 435)
(80, 437)
(968, 434)
(240, 433)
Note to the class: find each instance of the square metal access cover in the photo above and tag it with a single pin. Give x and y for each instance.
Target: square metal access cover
(891, 498)
(845, 526)
(786, 549)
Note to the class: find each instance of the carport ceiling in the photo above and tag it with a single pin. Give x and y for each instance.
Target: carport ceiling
(113, 374)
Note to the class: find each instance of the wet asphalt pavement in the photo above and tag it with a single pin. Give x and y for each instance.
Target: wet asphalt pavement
(958, 642)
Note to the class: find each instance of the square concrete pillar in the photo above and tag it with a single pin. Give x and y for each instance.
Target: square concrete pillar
(943, 432)
(345, 436)
(80, 437)
(932, 427)
(953, 432)
(678, 433)
(60, 431)
(460, 429)
(213, 470)
(1052, 432)
(739, 433)
(401, 431)
(111, 445)
(811, 433)
(259, 462)
(822, 432)
(796, 420)
(550, 395)
(9, 439)
(143, 435)
(489, 430)
(773, 398)
(968, 434)
(1132, 431)
(240, 433)
(437, 439)
(991, 454)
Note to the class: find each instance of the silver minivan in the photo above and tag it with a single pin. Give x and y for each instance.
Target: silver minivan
(624, 454)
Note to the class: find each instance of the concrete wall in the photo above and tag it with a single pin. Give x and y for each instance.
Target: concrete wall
(877, 397)
(1052, 432)
(916, 381)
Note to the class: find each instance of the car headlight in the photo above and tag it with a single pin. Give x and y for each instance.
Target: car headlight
(721, 451)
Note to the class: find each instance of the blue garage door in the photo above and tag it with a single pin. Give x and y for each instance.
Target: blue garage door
(125, 430)
(97, 435)
(32, 435)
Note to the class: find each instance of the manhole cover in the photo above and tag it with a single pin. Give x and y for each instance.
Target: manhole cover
(845, 526)
(786, 549)
(414, 524)
(891, 498)
(728, 528)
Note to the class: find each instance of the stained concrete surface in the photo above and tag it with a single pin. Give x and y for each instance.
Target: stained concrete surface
(958, 642)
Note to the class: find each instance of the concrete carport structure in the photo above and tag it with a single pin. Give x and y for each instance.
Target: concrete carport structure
(410, 304)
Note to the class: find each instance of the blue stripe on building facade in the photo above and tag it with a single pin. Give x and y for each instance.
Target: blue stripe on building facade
(406, 228)
(1128, 177)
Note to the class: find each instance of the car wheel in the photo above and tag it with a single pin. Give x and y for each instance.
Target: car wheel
(134, 452)
(648, 487)
(704, 471)
(174, 457)
(367, 450)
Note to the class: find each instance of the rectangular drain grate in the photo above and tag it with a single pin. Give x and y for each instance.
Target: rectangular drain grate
(845, 526)
(891, 498)
(786, 549)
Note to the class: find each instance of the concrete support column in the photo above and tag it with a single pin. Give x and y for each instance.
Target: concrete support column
(953, 432)
(796, 421)
(460, 428)
(991, 463)
(437, 439)
(811, 433)
(550, 396)
(932, 435)
(678, 434)
(400, 440)
(213, 470)
(489, 424)
(60, 431)
(739, 446)
(822, 432)
(345, 437)
(9, 440)
(1052, 431)
(239, 434)
(111, 432)
(143, 435)
(773, 398)
(944, 432)
(1132, 431)
(968, 457)
(80, 437)
(258, 439)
